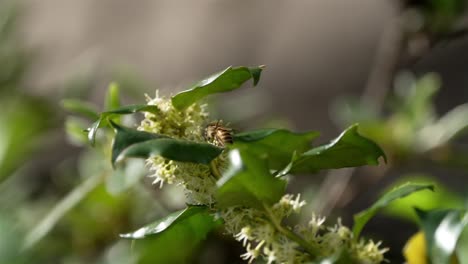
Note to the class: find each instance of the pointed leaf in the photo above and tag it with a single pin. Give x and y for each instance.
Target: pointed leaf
(276, 145)
(401, 191)
(173, 149)
(348, 150)
(187, 215)
(174, 238)
(224, 81)
(124, 110)
(442, 228)
(126, 137)
(248, 182)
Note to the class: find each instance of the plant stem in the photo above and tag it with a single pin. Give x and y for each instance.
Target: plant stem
(214, 170)
(61, 208)
(288, 233)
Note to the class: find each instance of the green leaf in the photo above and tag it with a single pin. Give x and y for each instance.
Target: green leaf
(173, 149)
(442, 228)
(124, 110)
(79, 107)
(186, 216)
(224, 81)
(401, 191)
(276, 145)
(126, 137)
(348, 150)
(112, 100)
(404, 208)
(174, 238)
(248, 182)
(462, 247)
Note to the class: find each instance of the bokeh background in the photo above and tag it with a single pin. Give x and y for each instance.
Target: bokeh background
(319, 55)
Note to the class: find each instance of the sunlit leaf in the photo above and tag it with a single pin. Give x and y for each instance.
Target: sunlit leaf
(442, 229)
(462, 247)
(124, 110)
(276, 145)
(401, 191)
(442, 198)
(348, 150)
(173, 238)
(224, 81)
(173, 149)
(248, 182)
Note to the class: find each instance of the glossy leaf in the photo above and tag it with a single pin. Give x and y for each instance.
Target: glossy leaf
(173, 149)
(401, 191)
(442, 198)
(124, 110)
(442, 228)
(79, 107)
(174, 237)
(276, 145)
(248, 182)
(224, 81)
(187, 215)
(348, 150)
(125, 137)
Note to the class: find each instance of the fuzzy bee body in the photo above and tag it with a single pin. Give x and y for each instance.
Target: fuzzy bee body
(218, 135)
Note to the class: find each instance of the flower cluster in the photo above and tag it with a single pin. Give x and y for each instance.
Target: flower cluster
(261, 231)
(198, 183)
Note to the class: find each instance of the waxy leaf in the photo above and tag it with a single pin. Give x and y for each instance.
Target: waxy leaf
(276, 145)
(173, 149)
(248, 182)
(125, 137)
(442, 229)
(187, 216)
(401, 191)
(124, 110)
(224, 81)
(348, 150)
(175, 237)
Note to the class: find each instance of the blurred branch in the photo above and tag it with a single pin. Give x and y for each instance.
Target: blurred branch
(61, 208)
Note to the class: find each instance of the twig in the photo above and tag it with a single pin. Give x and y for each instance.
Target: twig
(288, 233)
(60, 209)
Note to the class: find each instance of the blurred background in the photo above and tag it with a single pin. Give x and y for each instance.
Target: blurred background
(329, 63)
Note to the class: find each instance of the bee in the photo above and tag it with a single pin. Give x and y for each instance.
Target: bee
(217, 134)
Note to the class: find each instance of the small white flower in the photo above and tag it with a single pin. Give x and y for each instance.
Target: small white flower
(252, 254)
(244, 235)
(270, 254)
(297, 204)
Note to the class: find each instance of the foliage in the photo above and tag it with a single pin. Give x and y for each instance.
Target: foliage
(244, 183)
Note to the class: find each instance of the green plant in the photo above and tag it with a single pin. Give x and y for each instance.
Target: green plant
(241, 186)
